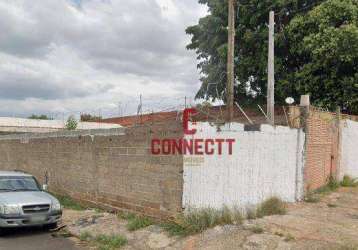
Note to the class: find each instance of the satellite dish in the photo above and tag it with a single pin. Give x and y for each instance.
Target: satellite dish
(290, 100)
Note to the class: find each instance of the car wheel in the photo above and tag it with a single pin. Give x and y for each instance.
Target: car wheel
(50, 226)
(2, 231)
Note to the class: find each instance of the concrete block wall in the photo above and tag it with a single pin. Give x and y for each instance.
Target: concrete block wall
(115, 171)
(263, 164)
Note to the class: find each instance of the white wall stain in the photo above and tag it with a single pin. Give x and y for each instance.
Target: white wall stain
(264, 163)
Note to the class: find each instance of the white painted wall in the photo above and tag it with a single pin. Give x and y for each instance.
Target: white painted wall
(12, 124)
(349, 150)
(264, 163)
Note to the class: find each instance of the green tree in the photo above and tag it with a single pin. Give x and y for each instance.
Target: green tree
(40, 117)
(71, 123)
(315, 51)
(90, 118)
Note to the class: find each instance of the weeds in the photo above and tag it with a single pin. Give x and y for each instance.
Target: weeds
(85, 236)
(199, 220)
(289, 237)
(312, 197)
(104, 242)
(135, 222)
(331, 205)
(126, 215)
(257, 230)
(279, 234)
(138, 222)
(69, 203)
(112, 242)
(251, 214)
(349, 182)
(270, 207)
(333, 184)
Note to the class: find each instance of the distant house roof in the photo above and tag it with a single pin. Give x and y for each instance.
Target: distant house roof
(128, 121)
(10, 124)
(204, 114)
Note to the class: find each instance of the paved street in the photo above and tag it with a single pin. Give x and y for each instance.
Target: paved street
(34, 239)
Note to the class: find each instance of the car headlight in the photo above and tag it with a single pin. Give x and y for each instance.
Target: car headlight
(56, 206)
(10, 209)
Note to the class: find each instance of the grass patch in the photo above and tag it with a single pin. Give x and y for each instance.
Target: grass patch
(197, 221)
(271, 206)
(312, 197)
(349, 182)
(257, 230)
(251, 214)
(279, 234)
(126, 215)
(331, 205)
(289, 237)
(331, 186)
(315, 196)
(348, 246)
(85, 236)
(135, 222)
(104, 242)
(112, 242)
(69, 203)
(138, 222)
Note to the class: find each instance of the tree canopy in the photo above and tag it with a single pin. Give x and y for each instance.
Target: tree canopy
(89, 118)
(316, 51)
(40, 117)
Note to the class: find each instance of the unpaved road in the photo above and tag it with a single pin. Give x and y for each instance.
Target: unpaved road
(34, 239)
(331, 224)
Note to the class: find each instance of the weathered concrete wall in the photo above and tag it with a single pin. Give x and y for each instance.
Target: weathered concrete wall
(22, 125)
(116, 170)
(263, 164)
(349, 148)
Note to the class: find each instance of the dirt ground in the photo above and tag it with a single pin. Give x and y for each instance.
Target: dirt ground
(331, 223)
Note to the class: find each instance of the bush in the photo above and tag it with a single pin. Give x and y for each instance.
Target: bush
(71, 123)
(349, 182)
(270, 207)
(333, 184)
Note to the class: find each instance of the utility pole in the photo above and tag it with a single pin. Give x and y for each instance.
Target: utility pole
(271, 71)
(230, 60)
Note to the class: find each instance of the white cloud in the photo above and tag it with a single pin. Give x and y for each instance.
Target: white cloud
(57, 56)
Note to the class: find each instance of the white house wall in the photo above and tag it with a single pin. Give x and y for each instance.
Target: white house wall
(264, 163)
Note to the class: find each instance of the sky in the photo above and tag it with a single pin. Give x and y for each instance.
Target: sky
(63, 57)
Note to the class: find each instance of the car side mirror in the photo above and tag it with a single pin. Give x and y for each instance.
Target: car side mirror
(44, 187)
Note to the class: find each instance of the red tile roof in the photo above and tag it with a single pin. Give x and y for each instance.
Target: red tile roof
(205, 114)
(128, 121)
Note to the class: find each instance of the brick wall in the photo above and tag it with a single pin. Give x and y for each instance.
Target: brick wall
(321, 146)
(115, 171)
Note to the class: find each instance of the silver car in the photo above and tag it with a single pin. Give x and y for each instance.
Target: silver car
(24, 203)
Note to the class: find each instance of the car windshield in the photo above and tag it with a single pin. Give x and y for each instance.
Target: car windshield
(18, 183)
